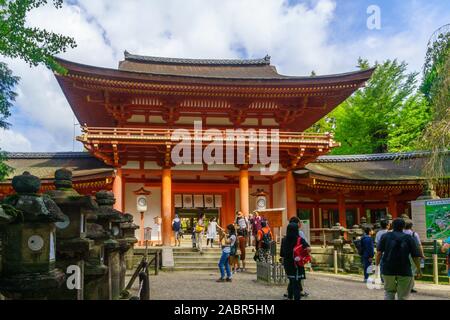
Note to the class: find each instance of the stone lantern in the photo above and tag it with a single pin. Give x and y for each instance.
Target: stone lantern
(72, 247)
(126, 240)
(95, 271)
(28, 241)
(110, 220)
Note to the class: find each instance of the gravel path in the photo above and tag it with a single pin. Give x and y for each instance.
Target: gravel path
(201, 285)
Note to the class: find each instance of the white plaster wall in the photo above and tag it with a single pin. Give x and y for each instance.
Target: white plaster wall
(154, 208)
(279, 201)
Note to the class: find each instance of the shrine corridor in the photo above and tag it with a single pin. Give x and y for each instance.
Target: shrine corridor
(201, 285)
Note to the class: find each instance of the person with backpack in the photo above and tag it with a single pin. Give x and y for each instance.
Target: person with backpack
(295, 253)
(394, 249)
(176, 227)
(367, 251)
(409, 230)
(264, 238)
(256, 226)
(228, 241)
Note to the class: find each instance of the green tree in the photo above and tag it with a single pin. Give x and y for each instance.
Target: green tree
(372, 117)
(410, 123)
(33, 45)
(437, 54)
(437, 133)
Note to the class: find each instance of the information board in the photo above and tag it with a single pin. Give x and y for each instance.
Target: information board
(437, 215)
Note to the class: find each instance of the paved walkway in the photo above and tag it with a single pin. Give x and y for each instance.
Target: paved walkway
(201, 285)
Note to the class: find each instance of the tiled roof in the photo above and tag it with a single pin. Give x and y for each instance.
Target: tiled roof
(44, 165)
(372, 157)
(221, 62)
(48, 155)
(372, 167)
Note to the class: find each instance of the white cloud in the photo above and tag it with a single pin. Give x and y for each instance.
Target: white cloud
(14, 141)
(296, 36)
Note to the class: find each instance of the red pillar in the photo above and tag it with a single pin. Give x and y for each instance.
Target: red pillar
(342, 213)
(244, 191)
(291, 195)
(117, 189)
(393, 206)
(166, 207)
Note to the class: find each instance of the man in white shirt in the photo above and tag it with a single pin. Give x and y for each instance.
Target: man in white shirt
(408, 230)
(384, 229)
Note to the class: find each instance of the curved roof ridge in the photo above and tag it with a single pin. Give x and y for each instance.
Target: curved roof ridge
(221, 62)
(372, 157)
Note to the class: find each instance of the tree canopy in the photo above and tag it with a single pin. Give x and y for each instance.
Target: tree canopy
(386, 115)
(436, 87)
(33, 45)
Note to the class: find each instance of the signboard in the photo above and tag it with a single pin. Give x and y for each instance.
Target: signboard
(273, 216)
(437, 215)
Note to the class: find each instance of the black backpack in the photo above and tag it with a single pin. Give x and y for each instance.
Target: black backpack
(358, 246)
(398, 255)
(266, 239)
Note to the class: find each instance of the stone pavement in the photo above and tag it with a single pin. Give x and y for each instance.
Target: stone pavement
(201, 285)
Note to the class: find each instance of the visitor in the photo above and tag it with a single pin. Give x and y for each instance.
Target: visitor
(294, 271)
(264, 239)
(367, 251)
(297, 220)
(176, 227)
(256, 226)
(250, 229)
(394, 249)
(211, 231)
(199, 231)
(242, 222)
(446, 249)
(193, 236)
(409, 230)
(386, 226)
(242, 243)
(227, 240)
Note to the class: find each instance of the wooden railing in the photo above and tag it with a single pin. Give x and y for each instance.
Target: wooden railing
(202, 135)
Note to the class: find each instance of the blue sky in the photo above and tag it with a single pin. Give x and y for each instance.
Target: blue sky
(327, 36)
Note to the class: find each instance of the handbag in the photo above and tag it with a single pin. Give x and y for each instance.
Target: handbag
(198, 228)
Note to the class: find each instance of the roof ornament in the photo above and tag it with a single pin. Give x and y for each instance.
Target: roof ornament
(267, 58)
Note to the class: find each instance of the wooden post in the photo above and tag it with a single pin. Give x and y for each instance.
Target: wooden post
(244, 190)
(291, 195)
(166, 206)
(157, 262)
(435, 269)
(335, 261)
(342, 211)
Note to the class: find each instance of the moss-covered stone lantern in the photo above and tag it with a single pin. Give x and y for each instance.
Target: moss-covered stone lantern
(110, 220)
(29, 242)
(72, 247)
(126, 240)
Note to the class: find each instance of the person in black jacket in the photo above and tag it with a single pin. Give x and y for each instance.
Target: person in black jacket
(294, 273)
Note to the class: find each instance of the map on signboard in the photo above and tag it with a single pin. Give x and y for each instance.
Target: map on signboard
(437, 214)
